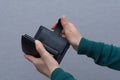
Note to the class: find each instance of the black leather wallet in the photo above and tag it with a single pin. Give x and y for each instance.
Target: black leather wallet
(53, 42)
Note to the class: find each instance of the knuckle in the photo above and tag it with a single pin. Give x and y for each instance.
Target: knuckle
(45, 54)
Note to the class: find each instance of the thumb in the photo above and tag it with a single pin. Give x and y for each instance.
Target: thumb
(50, 62)
(64, 22)
(40, 48)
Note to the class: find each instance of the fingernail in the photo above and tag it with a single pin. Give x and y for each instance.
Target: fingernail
(37, 42)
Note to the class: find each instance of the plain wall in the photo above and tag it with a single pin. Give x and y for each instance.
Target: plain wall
(97, 20)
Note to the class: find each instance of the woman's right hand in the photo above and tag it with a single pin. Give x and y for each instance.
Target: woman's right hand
(69, 32)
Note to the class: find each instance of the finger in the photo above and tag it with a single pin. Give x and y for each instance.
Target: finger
(54, 26)
(40, 48)
(33, 59)
(30, 58)
(64, 22)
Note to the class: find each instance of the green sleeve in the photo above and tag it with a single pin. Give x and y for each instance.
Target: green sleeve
(103, 54)
(59, 74)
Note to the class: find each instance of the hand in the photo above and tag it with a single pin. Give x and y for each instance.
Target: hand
(46, 64)
(69, 32)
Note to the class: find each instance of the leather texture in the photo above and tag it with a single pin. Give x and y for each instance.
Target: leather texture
(53, 42)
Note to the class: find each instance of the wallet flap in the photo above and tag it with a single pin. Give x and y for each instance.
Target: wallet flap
(58, 28)
(28, 45)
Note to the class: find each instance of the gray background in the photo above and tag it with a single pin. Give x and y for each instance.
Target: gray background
(97, 20)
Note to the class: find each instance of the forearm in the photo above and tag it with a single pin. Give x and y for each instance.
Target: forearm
(103, 54)
(59, 74)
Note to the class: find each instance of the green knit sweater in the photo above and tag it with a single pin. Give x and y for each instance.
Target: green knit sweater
(103, 54)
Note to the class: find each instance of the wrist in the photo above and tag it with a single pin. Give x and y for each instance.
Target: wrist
(77, 42)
